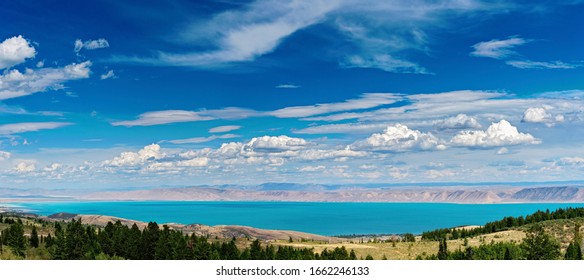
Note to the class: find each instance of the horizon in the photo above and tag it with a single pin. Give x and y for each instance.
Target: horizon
(109, 95)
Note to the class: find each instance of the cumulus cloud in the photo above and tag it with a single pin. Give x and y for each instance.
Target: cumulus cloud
(224, 128)
(399, 138)
(24, 167)
(14, 51)
(108, 75)
(275, 144)
(498, 48)
(90, 44)
(460, 121)
(14, 128)
(498, 134)
(163, 117)
(148, 153)
(14, 83)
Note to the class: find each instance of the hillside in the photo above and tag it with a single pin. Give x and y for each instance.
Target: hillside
(287, 192)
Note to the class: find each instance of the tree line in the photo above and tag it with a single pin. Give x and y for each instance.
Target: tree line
(76, 241)
(537, 245)
(503, 224)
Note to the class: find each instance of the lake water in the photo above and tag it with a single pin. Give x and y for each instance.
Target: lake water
(326, 218)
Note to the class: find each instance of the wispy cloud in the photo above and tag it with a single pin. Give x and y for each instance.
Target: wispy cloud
(14, 51)
(108, 75)
(503, 49)
(528, 64)
(90, 44)
(498, 48)
(377, 33)
(15, 128)
(384, 62)
(163, 117)
(224, 128)
(196, 140)
(367, 101)
(288, 86)
(244, 35)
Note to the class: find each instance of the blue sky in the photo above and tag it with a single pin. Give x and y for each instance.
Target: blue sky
(108, 94)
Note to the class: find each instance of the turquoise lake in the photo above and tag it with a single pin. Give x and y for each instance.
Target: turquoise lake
(326, 218)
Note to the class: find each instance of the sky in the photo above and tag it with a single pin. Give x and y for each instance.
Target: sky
(116, 94)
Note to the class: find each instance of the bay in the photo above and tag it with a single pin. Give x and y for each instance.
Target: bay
(326, 218)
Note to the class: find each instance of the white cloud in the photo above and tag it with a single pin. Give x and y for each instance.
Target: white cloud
(536, 115)
(16, 84)
(90, 44)
(497, 48)
(14, 128)
(24, 167)
(247, 34)
(203, 139)
(528, 64)
(435, 174)
(367, 101)
(288, 86)
(224, 128)
(503, 49)
(5, 155)
(460, 121)
(578, 161)
(195, 162)
(148, 153)
(498, 134)
(320, 154)
(375, 32)
(399, 138)
(14, 51)
(502, 151)
(163, 117)
(310, 168)
(383, 62)
(108, 75)
(341, 128)
(274, 144)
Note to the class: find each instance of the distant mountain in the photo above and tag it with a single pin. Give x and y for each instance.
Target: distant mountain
(311, 192)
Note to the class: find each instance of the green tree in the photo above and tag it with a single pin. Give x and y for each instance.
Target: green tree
(255, 250)
(442, 250)
(34, 238)
(574, 251)
(538, 245)
(15, 238)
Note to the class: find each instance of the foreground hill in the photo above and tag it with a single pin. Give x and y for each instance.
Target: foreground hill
(346, 194)
(221, 231)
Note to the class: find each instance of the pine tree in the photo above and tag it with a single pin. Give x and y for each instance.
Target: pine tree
(539, 245)
(34, 238)
(442, 250)
(15, 238)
